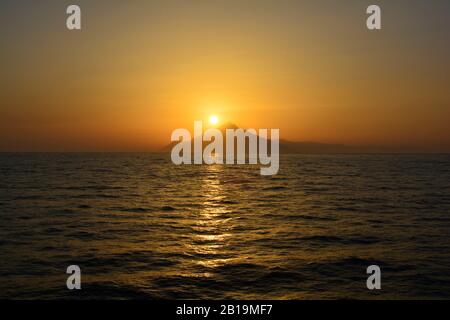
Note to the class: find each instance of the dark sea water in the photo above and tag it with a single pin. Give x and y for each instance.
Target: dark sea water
(140, 227)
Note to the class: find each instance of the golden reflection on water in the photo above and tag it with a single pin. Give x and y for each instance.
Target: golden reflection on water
(213, 226)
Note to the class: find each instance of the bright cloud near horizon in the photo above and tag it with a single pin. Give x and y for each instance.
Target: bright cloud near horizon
(136, 71)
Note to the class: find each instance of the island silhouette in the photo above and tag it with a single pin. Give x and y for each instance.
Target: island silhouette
(301, 147)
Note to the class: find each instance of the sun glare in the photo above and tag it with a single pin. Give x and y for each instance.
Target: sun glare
(213, 120)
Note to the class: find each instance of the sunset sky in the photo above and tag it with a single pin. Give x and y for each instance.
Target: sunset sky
(140, 69)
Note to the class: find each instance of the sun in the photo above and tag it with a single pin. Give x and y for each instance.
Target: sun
(213, 119)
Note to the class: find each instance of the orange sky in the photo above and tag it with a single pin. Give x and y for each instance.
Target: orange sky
(139, 70)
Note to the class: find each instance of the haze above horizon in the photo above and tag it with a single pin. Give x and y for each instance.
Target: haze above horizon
(137, 71)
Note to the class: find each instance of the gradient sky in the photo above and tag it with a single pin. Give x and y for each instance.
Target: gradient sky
(140, 69)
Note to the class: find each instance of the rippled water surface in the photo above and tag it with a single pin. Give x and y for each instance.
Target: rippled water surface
(140, 227)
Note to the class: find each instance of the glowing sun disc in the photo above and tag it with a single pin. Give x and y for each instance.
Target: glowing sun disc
(213, 120)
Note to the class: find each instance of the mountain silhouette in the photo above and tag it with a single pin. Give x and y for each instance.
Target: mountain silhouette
(292, 147)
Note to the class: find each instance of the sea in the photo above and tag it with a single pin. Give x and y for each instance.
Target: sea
(140, 227)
